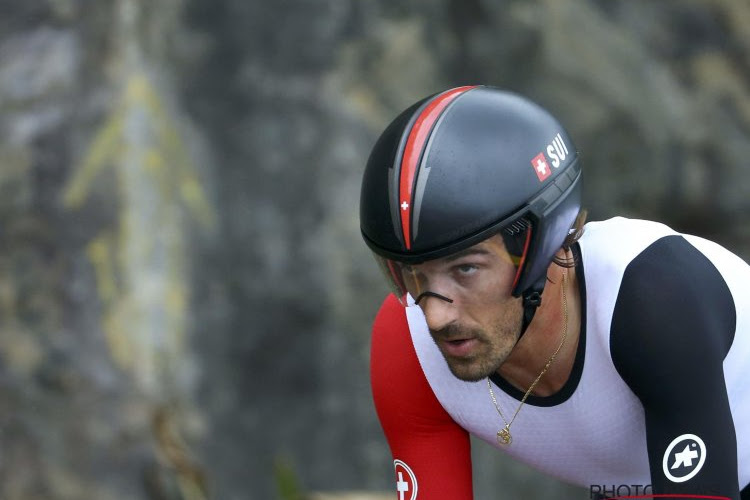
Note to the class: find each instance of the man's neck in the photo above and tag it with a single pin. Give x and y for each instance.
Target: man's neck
(545, 334)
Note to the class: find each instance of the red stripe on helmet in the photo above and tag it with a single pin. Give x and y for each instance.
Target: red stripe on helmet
(415, 143)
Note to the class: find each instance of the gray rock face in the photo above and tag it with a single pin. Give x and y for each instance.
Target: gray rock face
(185, 298)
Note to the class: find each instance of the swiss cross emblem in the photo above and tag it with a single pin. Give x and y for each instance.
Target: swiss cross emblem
(541, 167)
(406, 481)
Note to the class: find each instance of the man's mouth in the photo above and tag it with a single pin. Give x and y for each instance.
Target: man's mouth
(460, 347)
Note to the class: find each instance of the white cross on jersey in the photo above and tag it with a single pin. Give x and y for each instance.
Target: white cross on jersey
(404, 206)
(401, 486)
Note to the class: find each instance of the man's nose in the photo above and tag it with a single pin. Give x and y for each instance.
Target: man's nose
(439, 311)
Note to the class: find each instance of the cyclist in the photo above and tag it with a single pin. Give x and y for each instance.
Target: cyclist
(606, 354)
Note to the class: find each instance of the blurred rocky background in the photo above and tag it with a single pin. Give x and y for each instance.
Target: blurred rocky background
(185, 301)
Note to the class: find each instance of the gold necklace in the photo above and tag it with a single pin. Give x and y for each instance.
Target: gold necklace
(503, 435)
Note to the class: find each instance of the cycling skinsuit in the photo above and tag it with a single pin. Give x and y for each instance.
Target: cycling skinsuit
(659, 393)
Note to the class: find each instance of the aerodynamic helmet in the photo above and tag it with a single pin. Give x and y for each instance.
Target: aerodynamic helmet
(460, 166)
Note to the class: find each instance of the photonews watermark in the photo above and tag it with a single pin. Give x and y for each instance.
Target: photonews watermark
(597, 491)
(640, 492)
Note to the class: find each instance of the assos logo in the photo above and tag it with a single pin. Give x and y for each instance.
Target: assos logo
(557, 151)
(406, 481)
(684, 458)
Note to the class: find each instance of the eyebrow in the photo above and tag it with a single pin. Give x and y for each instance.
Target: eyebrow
(464, 253)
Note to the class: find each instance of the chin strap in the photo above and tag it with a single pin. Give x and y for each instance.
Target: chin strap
(532, 298)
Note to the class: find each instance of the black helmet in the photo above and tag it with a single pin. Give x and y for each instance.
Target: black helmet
(460, 166)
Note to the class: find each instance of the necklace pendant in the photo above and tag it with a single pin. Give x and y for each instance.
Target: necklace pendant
(504, 437)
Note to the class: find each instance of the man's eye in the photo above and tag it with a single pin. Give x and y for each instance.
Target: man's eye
(466, 268)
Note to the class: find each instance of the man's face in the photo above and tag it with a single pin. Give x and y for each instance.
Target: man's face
(477, 331)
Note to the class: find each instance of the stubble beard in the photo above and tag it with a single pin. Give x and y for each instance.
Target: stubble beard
(495, 347)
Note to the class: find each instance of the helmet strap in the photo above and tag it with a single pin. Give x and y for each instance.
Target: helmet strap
(532, 299)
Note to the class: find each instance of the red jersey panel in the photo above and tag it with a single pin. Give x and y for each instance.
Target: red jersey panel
(432, 453)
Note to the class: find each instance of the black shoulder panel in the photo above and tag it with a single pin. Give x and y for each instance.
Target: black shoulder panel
(672, 326)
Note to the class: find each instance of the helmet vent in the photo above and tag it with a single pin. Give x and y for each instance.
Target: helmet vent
(517, 227)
